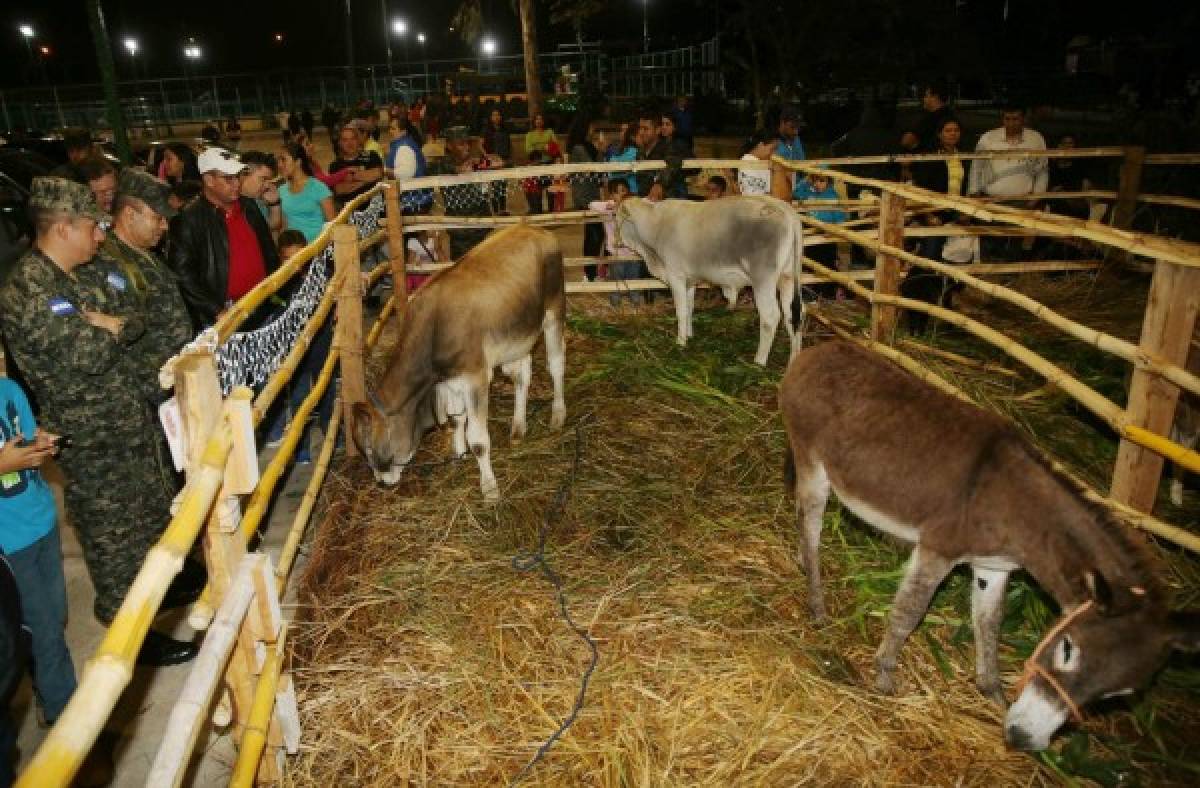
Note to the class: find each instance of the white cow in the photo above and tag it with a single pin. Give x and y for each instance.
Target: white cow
(731, 242)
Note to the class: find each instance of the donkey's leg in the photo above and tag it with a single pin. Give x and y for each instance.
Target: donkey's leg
(785, 290)
(520, 372)
(691, 309)
(987, 612)
(768, 320)
(925, 572)
(812, 493)
(556, 360)
(477, 434)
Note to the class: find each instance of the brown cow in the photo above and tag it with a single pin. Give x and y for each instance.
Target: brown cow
(485, 312)
(964, 487)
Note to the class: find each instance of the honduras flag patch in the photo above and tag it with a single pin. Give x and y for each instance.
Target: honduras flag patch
(61, 306)
(117, 281)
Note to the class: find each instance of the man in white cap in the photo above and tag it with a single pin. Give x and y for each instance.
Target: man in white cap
(221, 246)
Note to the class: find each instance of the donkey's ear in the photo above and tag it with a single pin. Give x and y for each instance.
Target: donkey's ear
(1099, 591)
(1183, 630)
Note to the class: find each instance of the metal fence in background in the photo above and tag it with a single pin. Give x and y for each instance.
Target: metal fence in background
(156, 104)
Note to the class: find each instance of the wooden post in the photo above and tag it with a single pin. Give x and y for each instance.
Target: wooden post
(887, 267)
(782, 182)
(1130, 185)
(1166, 333)
(395, 231)
(202, 411)
(349, 333)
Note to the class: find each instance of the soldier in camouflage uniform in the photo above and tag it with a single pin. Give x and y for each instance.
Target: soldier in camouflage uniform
(468, 199)
(72, 344)
(139, 281)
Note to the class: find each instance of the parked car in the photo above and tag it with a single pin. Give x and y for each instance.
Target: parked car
(18, 168)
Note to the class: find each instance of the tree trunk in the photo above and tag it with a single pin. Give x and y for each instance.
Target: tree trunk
(533, 82)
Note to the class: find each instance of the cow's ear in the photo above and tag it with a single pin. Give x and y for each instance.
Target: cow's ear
(1183, 630)
(1099, 591)
(364, 417)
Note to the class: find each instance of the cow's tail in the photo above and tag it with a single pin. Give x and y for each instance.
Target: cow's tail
(797, 310)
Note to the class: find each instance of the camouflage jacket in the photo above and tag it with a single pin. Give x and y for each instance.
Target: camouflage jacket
(142, 285)
(467, 199)
(81, 376)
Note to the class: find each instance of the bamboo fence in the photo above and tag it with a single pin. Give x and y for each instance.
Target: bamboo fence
(248, 595)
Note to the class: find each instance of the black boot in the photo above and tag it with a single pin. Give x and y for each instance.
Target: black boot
(158, 651)
(186, 587)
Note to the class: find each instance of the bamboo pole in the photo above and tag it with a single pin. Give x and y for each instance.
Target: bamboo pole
(348, 336)
(187, 715)
(254, 737)
(372, 240)
(1143, 358)
(518, 173)
(385, 313)
(397, 253)
(287, 555)
(1172, 158)
(108, 672)
(897, 158)
(1180, 252)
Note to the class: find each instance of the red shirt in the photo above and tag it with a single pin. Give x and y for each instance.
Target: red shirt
(246, 266)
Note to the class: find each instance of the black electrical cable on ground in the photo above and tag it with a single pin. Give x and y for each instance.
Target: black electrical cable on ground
(527, 562)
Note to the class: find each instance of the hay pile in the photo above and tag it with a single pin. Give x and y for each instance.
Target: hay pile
(423, 657)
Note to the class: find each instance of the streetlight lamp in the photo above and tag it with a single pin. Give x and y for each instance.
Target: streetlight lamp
(191, 53)
(27, 34)
(487, 46)
(131, 46)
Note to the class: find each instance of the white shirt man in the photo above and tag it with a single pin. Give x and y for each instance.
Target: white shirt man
(1009, 177)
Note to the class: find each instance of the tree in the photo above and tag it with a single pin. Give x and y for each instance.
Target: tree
(468, 19)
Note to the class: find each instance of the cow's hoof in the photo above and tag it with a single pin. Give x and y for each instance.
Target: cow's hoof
(885, 683)
(1177, 492)
(517, 435)
(491, 494)
(558, 418)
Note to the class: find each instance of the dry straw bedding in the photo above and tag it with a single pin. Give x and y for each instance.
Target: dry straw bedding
(424, 658)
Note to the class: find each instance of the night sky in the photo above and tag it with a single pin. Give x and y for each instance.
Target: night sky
(239, 36)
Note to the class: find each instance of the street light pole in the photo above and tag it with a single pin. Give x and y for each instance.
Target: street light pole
(645, 28)
(387, 38)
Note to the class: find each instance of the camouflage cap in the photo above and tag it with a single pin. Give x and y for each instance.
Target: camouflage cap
(60, 194)
(148, 189)
(457, 133)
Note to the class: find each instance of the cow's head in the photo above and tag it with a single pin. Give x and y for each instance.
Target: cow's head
(631, 211)
(1110, 646)
(388, 436)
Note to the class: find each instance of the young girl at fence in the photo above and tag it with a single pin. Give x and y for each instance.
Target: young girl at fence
(421, 251)
(818, 186)
(29, 543)
(759, 147)
(557, 190)
(617, 190)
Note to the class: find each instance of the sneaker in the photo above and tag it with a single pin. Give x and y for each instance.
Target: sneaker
(303, 456)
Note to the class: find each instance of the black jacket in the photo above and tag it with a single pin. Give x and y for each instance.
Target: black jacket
(199, 255)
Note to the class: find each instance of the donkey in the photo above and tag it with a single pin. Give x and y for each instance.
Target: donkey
(964, 487)
(731, 243)
(486, 311)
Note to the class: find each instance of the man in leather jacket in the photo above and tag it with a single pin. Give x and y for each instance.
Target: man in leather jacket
(220, 244)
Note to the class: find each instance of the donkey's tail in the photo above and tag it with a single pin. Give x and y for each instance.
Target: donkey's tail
(789, 469)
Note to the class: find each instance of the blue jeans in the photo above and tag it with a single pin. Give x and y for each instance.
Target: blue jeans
(39, 573)
(620, 271)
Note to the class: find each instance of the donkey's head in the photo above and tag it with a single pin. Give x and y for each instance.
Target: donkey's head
(388, 437)
(1110, 645)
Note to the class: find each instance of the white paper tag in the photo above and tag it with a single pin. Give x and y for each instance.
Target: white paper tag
(172, 424)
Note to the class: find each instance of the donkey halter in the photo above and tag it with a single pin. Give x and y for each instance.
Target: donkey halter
(1032, 668)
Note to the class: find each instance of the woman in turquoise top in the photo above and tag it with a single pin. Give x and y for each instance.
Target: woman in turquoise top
(307, 203)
